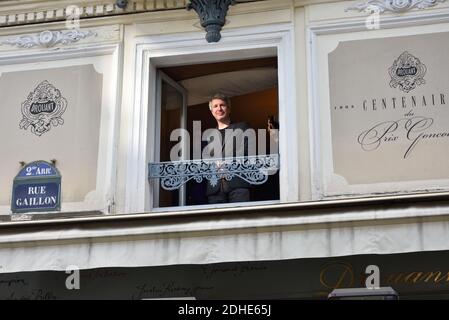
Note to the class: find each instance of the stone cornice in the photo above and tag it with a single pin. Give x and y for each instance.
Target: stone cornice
(22, 12)
(14, 13)
(27, 12)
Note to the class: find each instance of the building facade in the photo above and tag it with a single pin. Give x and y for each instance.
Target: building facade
(93, 93)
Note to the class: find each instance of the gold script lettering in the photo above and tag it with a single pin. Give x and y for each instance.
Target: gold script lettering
(415, 275)
(436, 277)
(337, 275)
(394, 278)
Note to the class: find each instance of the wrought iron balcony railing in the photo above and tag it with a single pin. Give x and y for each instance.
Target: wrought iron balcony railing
(253, 169)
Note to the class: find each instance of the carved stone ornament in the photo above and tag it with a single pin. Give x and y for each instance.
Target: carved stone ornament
(394, 5)
(254, 169)
(47, 39)
(212, 14)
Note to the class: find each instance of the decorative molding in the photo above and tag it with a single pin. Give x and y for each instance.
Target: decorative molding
(254, 169)
(212, 14)
(48, 39)
(50, 11)
(13, 13)
(396, 6)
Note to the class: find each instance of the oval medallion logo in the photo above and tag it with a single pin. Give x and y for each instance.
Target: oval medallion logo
(43, 109)
(407, 72)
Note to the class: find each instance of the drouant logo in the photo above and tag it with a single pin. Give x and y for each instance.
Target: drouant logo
(43, 109)
(407, 72)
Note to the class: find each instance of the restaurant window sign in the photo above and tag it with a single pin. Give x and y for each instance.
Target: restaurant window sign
(389, 114)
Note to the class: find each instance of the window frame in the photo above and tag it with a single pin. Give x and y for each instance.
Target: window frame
(153, 52)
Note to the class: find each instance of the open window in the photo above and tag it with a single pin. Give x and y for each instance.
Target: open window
(183, 94)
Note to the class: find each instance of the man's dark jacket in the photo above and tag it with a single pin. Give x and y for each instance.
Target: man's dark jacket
(232, 149)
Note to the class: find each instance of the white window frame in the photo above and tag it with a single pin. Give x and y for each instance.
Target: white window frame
(162, 77)
(152, 52)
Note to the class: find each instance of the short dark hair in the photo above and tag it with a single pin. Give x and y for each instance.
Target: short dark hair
(220, 96)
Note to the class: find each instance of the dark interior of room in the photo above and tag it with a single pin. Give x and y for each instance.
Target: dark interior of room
(253, 105)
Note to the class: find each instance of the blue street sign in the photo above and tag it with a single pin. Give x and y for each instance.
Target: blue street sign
(38, 169)
(37, 188)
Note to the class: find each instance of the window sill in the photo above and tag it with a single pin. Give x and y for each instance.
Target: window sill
(303, 213)
(216, 206)
(49, 216)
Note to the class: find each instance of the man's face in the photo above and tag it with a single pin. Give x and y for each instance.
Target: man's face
(220, 110)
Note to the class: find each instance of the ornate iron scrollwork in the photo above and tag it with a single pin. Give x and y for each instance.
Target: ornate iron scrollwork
(254, 169)
(212, 14)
